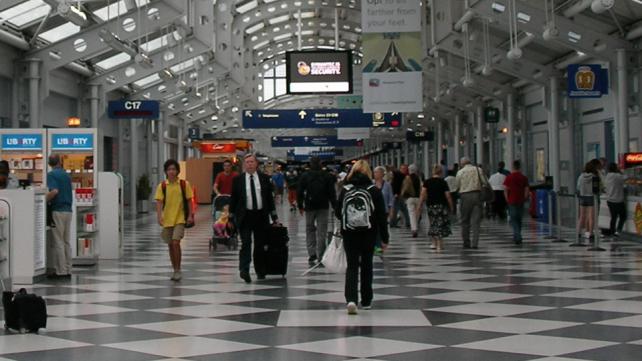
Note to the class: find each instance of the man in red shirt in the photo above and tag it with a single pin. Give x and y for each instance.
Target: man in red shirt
(516, 193)
(223, 181)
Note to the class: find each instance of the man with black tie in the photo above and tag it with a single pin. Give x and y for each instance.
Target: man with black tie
(252, 206)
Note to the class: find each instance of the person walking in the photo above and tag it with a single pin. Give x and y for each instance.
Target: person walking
(251, 206)
(174, 210)
(410, 191)
(615, 199)
(60, 201)
(278, 180)
(470, 179)
(452, 187)
(436, 194)
(398, 177)
(223, 181)
(585, 189)
(316, 194)
(292, 184)
(516, 193)
(389, 201)
(362, 212)
(497, 183)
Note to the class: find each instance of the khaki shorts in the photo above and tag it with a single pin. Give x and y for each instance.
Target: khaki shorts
(173, 233)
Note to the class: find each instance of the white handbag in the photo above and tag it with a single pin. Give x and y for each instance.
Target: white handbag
(334, 258)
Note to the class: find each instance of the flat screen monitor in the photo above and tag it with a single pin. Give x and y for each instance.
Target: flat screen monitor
(319, 72)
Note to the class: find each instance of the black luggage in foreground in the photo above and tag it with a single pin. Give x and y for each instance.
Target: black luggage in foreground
(272, 258)
(24, 312)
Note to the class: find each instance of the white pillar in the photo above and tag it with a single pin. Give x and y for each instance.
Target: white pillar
(510, 137)
(456, 145)
(93, 105)
(133, 176)
(622, 114)
(480, 135)
(414, 149)
(554, 133)
(160, 144)
(440, 141)
(426, 160)
(34, 93)
(469, 136)
(406, 151)
(492, 134)
(181, 142)
(398, 158)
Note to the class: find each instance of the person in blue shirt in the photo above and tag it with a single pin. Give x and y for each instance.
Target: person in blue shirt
(278, 179)
(60, 200)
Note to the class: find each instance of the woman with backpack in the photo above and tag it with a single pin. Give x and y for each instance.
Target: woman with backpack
(410, 191)
(363, 214)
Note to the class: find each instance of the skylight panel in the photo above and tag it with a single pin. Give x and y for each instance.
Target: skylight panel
(279, 19)
(60, 32)
(111, 11)
(148, 80)
(25, 12)
(254, 28)
(114, 61)
(246, 6)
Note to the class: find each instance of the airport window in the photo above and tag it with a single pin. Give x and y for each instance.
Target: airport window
(274, 82)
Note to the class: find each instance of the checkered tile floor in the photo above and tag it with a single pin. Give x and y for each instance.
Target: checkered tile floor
(540, 301)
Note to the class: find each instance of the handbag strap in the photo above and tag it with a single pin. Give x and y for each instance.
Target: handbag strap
(481, 182)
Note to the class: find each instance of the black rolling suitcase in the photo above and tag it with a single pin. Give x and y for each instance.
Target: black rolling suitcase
(272, 258)
(24, 312)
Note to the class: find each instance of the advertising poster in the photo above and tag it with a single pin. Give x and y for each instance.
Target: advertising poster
(392, 51)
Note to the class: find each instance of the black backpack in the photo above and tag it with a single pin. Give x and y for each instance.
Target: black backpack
(24, 312)
(357, 208)
(316, 191)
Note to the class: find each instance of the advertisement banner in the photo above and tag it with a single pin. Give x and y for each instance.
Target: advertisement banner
(133, 109)
(389, 16)
(22, 142)
(304, 141)
(72, 141)
(217, 148)
(587, 81)
(317, 118)
(399, 92)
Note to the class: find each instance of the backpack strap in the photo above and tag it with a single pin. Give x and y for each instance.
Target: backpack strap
(164, 188)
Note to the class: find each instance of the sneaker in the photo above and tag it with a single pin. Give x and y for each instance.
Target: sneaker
(352, 308)
(587, 235)
(366, 306)
(433, 246)
(177, 276)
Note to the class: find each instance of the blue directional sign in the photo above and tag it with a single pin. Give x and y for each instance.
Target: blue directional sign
(323, 155)
(133, 109)
(313, 141)
(587, 81)
(317, 118)
(72, 141)
(21, 141)
(194, 133)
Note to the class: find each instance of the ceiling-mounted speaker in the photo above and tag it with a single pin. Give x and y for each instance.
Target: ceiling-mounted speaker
(514, 53)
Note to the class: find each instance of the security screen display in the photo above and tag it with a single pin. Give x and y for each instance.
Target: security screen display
(310, 72)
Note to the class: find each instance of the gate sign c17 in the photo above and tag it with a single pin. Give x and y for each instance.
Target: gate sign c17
(587, 81)
(133, 109)
(317, 118)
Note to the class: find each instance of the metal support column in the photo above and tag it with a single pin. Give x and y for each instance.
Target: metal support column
(622, 114)
(406, 152)
(554, 156)
(414, 149)
(456, 144)
(133, 176)
(398, 158)
(93, 105)
(480, 136)
(440, 141)
(426, 165)
(34, 93)
(181, 141)
(160, 144)
(510, 136)
(16, 97)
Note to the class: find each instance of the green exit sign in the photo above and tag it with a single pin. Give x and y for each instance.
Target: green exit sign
(491, 115)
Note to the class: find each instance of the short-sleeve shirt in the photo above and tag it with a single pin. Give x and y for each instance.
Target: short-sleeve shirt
(516, 184)
(173, 212)
(278, 179)
(437, 188)
(224, 182)
(58, 179)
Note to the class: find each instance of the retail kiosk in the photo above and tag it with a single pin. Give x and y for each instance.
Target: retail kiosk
(78, 150)
(23, 149)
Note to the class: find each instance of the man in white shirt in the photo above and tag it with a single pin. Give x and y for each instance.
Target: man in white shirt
(497, 183)
(469, 182)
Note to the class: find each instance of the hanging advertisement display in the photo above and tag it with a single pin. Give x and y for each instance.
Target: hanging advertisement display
(392, 52)
(587, 81)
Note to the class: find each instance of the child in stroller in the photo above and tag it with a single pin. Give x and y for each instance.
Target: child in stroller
(224, 231)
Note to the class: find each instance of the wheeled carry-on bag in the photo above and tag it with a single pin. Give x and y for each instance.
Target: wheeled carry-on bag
(272, 258)
(24, 312)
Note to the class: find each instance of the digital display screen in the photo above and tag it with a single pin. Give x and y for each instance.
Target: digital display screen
(311, 72)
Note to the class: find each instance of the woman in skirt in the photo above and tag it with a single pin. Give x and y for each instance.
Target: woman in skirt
(436, 194)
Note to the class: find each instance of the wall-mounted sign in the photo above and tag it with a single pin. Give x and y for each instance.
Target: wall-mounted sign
(491, 115)
(21, 141)
(420, 136)
(194, 133)
(632, 160)
(305, 141)
(217, 148)
(133, 109)
(587, 81)
(317, 118)
(72, 141)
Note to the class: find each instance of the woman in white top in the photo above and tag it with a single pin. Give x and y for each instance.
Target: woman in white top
(615, 198)
(496, 182)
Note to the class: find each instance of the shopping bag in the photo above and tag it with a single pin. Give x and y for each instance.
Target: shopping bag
(334, 258)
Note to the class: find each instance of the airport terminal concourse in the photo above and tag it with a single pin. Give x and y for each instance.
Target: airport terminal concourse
(383, 180)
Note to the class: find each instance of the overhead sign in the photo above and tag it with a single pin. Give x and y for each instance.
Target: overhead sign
(217, 148)
(391, 145)
(420, 136)
(323, 155)
(304, 141)
(133, 109)
(491, 115)
(21, 141)
(194, 133)
(317, 118)
(327, 153)
(587, 81)
(72, 141)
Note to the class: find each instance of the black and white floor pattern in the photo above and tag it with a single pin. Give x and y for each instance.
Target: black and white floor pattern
(541, 301)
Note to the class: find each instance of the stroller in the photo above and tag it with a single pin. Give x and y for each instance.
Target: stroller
(224, 230)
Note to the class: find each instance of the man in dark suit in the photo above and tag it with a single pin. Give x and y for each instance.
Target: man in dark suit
(252, 206)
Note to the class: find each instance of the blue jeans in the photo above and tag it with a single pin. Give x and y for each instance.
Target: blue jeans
(516, 211)
(400, 206)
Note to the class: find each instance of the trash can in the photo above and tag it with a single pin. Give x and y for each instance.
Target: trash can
(542, 199)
